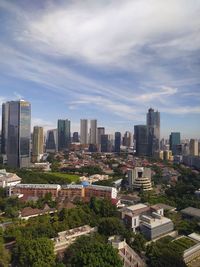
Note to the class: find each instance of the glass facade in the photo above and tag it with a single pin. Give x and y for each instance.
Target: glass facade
(153, 130)
(64, 135)
(140, 135)
(117, 142)
(19, 124)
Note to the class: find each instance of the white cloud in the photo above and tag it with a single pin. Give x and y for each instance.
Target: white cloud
(114, 32)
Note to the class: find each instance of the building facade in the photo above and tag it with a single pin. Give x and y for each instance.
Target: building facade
(37, 143)
(174, 142)
(140, 134)
(194, 147)
(19, 133)
(153, 131)
(93, 132)
(64, 135)
(117, 142)
(84, 132)
(51, 141)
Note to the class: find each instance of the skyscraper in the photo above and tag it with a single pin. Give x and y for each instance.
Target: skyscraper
(51, 141)
(84, 132)
(174, 142)
(117, 142)
(140, 135)
(93, 132)
(19, 133)
(64, 135)
(127, 139)
(194, 151)
(37, 143)
(153, 131)
(75, 137)
(100, 131)
(4, 132)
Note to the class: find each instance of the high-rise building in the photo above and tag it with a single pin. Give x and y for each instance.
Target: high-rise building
(84, 132)
(175, 142)
(37, 143)
(194, 149)
(127, 139)
(93, 132)
(51, 141)
(19, 133)
(100, 131)
(64, 135)
(75, 137)
(106, 143)
(140, 134)
(4, 132)
(153, 131)
(117, 142)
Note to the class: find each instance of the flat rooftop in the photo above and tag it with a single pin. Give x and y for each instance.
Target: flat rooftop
(155, 222)
(137, 207)
(190, 211)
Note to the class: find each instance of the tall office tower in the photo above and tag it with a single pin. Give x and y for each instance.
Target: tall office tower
(37, 143)
(93, 132)
(19, 133)
(64, 135)
(127, 139)
(51, 141)
(140, 134)
(104, 143)
(75, 137)
(153, 131)
(117, 142)
(100, 131)
(84, 132)
(175, 142)
(194, 149)
(4, 132)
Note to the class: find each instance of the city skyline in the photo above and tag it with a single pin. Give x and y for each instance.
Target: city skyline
(74, 61)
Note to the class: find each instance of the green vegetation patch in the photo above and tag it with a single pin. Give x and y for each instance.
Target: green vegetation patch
(49, 178)
(183, 243)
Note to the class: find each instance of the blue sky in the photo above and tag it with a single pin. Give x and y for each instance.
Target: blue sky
(105, 59)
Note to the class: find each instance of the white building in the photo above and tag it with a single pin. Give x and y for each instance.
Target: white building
(140, 178)
(8, 179)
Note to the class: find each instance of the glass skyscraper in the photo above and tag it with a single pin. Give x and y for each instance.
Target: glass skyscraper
(117, 142)
(153, 131)
(64, 135)
(174, 141)
(140, 135)
(18, 125)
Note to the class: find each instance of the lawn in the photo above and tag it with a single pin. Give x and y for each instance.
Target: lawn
(183, 243)
(36, 177)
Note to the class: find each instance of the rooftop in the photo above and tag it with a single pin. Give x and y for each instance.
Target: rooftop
(38, 186)
(154, 222)
(191, 212)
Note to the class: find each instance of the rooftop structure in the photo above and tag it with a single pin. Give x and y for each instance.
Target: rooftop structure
(66, 238)
(8, 179)
(191, 212)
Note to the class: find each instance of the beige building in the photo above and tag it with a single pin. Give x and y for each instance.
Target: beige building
(129, 257)
(194, 147)
(37, 144)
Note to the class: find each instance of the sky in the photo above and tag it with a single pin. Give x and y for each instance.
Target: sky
(106, 59)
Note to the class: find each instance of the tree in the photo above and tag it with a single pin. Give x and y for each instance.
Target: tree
(138, 244)
(92, 252)
(111, 226)
(34, 253)
(4, 255)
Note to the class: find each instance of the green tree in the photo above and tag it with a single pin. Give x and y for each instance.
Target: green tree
(92, 252)
(111, 226)
(4, 254)
(34, 253)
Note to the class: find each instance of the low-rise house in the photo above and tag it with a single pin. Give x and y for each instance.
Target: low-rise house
(66, 238)
(191, 212)
(29, 212)
(8, 179)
